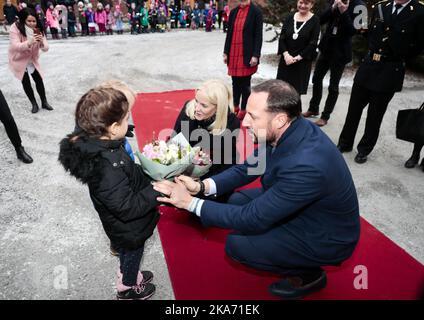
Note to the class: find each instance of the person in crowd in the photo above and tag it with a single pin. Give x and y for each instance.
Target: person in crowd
(221, 5)
(298, 46)
(153, 17)
(100, 17)
(188, 11)
(12, 130)
(10, 13)
(183, 18)
(395, 35)
(121, 193)
(225, 16)
(91, 20)
(41, 16)
(242, 50)
(335, 51)
(304, 216)
(195, 20)
(52, 20)
(62, 12)
(72, 20)
(209, 16)
(27, 38)
(82, 19)
(144, 18)
(161, 19)
(118, 15)
(109, 20)
(212, 112)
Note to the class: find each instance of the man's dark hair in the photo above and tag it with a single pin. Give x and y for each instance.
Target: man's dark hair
(282, 97)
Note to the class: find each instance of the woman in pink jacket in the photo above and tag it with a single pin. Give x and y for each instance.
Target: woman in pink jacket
(27, 37)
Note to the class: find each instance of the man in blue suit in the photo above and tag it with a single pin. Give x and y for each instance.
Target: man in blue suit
(304, 216)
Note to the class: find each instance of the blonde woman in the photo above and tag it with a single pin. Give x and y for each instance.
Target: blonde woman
(209, 121)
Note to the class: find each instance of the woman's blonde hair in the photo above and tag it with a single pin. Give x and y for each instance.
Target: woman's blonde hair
(220, 95)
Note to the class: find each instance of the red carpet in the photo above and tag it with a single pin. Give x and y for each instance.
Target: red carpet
(200, 270)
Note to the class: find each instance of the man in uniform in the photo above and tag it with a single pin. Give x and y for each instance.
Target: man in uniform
(396, 34)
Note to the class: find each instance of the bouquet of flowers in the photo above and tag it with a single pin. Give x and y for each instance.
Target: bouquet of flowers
(165, 160)
(201, 164)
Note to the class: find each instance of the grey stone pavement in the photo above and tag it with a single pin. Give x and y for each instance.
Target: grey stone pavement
(52, 245)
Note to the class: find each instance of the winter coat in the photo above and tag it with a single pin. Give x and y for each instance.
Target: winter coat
(51, 18)
(100, 17)
(121, 193)
(21, 54)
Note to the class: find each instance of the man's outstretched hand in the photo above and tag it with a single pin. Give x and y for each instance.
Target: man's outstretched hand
(175, 193)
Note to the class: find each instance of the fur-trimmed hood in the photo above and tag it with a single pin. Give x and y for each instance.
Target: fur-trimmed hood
(81, 157)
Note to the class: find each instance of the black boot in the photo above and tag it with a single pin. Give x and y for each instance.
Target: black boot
(422, 164)
(412, 161)
(298, 287)
(23, 156)
(35, 107)
(45, 105)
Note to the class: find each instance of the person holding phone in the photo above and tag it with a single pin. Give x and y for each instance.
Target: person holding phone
(27, 38)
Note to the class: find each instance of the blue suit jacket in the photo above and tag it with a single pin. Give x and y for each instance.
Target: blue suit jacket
(309, 205)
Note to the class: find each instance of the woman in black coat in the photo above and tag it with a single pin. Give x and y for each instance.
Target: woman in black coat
(297, 46)
(12, 130)
(209, 121)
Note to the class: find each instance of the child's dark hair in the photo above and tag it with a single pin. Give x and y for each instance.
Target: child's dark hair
(23, 15)
(98, 109)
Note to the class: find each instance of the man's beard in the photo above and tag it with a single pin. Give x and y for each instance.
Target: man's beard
(270, 137)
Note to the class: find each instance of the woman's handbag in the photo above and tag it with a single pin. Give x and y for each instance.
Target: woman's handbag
(410, 125)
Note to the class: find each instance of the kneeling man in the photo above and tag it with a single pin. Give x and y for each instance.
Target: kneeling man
(304, 216)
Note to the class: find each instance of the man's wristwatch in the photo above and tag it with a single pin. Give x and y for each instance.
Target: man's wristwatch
(202, 188)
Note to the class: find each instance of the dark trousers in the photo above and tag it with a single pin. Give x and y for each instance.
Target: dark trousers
(130, 265)
(377, 104)
(9, 123)
(220, 13)
(336, 71)
(241, 89)
(38, 84)
(242, 248)
(417, 149)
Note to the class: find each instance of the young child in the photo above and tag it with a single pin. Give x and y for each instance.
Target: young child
(82, 19)
(118, 18)
(134, 18)
(109, 20)
(62, 12)
(153, 17)
(89, 13)
(71, 21)
(121, 193)
(52, 21)
(100, 17)
(144, 18)
(161, 19)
